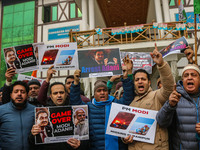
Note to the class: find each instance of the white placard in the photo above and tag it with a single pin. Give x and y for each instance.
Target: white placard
(125, 120)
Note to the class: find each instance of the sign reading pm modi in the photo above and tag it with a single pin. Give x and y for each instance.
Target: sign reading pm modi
(61, 33)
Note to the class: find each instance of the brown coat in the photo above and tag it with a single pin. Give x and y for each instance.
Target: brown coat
(154, 100)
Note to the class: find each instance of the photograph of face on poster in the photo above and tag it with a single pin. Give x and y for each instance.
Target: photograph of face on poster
(80, 119)
(43, 121)
(22, 58)
(99, 62)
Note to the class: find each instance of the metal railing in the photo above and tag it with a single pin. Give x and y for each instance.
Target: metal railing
(91, 38)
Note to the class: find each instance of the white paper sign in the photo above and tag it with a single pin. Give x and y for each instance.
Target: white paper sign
(62, 56)
(125, 120)
(26, 78)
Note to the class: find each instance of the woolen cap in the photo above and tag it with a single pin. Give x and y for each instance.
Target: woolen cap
(100, 84)
(34, 81)
(190, 66)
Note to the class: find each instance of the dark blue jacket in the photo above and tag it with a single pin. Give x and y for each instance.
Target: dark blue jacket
(98, 117)
(15, 126)
(181, 121)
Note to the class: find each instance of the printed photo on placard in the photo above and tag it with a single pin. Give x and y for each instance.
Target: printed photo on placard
(142, 125)
(175, 47)
(99, 62)
(49, 57)
(140, 60)
(80, 119)
(122, 120)
(66, 57)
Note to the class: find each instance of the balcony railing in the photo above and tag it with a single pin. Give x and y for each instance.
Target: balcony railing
(148, 32)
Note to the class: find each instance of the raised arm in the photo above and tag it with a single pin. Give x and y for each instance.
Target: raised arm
(42, 96)
(166, 77)
(128, 85)
(75, 98)
(10, 73)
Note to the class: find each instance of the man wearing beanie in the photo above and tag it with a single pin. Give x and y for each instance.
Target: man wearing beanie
(99, 109)
(181, 112)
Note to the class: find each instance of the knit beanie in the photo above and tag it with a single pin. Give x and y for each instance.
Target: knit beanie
(190, 66)
(100, 84)
(34, 81)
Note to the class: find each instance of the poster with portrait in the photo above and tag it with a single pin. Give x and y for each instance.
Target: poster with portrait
(62, 56)
(60, 123)
(99, 62)
(175, 47)
(140, 60)
(125, 120)
(25, 78)
(23, 58)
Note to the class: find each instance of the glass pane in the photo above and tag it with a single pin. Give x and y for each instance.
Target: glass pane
(28, 17)
(29, 5)
(7, 35)
(18, 19)
(8, 9)
(54, 13)
(72, 10)
(7, 21)
(172, 3)
(17, 34)
(79, 13)
(19, 7)
(28, 33)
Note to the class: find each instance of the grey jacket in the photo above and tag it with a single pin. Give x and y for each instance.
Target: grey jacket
(181, 120)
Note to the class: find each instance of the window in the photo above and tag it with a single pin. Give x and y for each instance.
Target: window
(172, 3)
(50, 13)
(17, 29)
(74, 11)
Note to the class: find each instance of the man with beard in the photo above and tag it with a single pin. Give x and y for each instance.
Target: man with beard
(42, 122)
(81, 125)
(16, 119)
(34, 88)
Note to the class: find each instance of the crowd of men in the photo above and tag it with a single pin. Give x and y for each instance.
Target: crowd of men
(178, 123)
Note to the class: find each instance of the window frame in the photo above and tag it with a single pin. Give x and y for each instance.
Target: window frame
(51, 13)
(76, 11)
